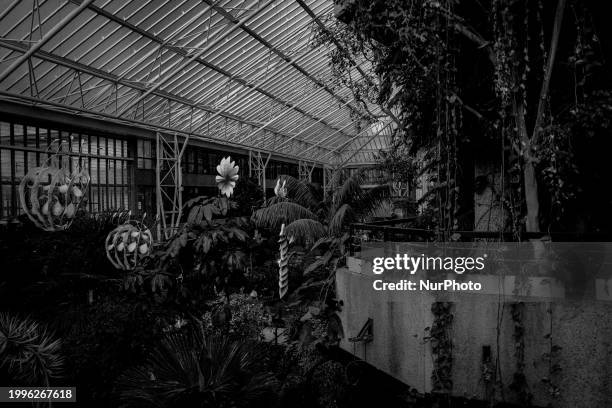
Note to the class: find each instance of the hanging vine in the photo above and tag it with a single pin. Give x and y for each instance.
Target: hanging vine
(460, 76)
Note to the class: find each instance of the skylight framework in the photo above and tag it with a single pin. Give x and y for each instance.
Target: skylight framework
(236, 72)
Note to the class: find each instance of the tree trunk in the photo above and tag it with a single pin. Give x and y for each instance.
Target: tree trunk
(529, 175)
(531, 197)
(530, 181)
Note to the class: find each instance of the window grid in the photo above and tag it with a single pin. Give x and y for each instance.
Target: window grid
(23, 147)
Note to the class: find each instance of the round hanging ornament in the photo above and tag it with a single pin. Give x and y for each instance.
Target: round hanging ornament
(128, 244)
(51, 194)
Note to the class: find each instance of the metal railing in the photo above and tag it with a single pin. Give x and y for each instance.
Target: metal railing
(389, 231)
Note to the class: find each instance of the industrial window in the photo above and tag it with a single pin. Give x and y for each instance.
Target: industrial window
(145, 153)
(23, 147)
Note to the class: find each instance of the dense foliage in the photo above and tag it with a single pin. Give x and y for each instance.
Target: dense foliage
(198, 320)
(501, 83)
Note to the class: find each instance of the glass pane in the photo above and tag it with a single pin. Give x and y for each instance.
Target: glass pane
(111, 171)
(93, 171)
(19, 166)
(5, 133)
(85, 148)
(95, 206)
(19, 135)
(31, 136)
(102, 171)
(43, 138)
(7, 204)
(31, 160)
(55, 137)
(110, 151)
(102, 146)
(5, 168)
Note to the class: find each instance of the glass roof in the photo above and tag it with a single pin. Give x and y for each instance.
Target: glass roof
(237, 72)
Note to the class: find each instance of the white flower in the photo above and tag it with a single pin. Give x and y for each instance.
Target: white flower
(280, 189)
(228, 174)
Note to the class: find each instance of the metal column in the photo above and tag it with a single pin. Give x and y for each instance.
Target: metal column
(257, 168)
(169, 185)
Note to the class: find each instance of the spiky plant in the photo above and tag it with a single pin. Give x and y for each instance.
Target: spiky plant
(190, 370)
(29, 355)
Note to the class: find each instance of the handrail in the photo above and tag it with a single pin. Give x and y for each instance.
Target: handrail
(390, 233)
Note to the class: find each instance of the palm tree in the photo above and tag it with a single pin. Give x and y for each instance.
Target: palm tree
(309, 220)
(189, 369)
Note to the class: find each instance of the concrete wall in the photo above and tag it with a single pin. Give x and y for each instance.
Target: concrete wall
(582, 329)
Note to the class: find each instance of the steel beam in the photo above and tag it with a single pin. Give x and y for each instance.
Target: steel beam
(27, 100)
(114, 79)
(282, 55)
(50, 34)
(365, 144)
(316, 19)
(183, 63)
(329, 137)
(181, 52)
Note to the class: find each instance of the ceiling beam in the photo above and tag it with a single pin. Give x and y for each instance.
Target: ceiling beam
(182, 64)
(182, 53)
(341, 147)
(76, 66)
(283, 56)
(325, 139)
(323, 27)
(32, 101)
(366, 143)
(50, 34)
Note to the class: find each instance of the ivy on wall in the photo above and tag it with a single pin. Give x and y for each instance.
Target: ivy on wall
(442, 347)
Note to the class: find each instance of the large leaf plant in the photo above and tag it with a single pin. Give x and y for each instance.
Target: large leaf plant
(320, 224)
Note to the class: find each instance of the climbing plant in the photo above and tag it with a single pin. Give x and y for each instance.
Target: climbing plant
(491, 80)
(519, 382)
(440, 339)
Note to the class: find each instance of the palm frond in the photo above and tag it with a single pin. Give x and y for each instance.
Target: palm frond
(28, 353)
(299, 191)
(371, 199)
(343, 216)
(348, 192)
(273, 200)
(188, 369)
(282, 212)
(305, 231)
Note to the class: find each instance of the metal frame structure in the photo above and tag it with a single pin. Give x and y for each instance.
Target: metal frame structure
(240, 73)
(258, 162)
(305, 170)
(168, 184)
